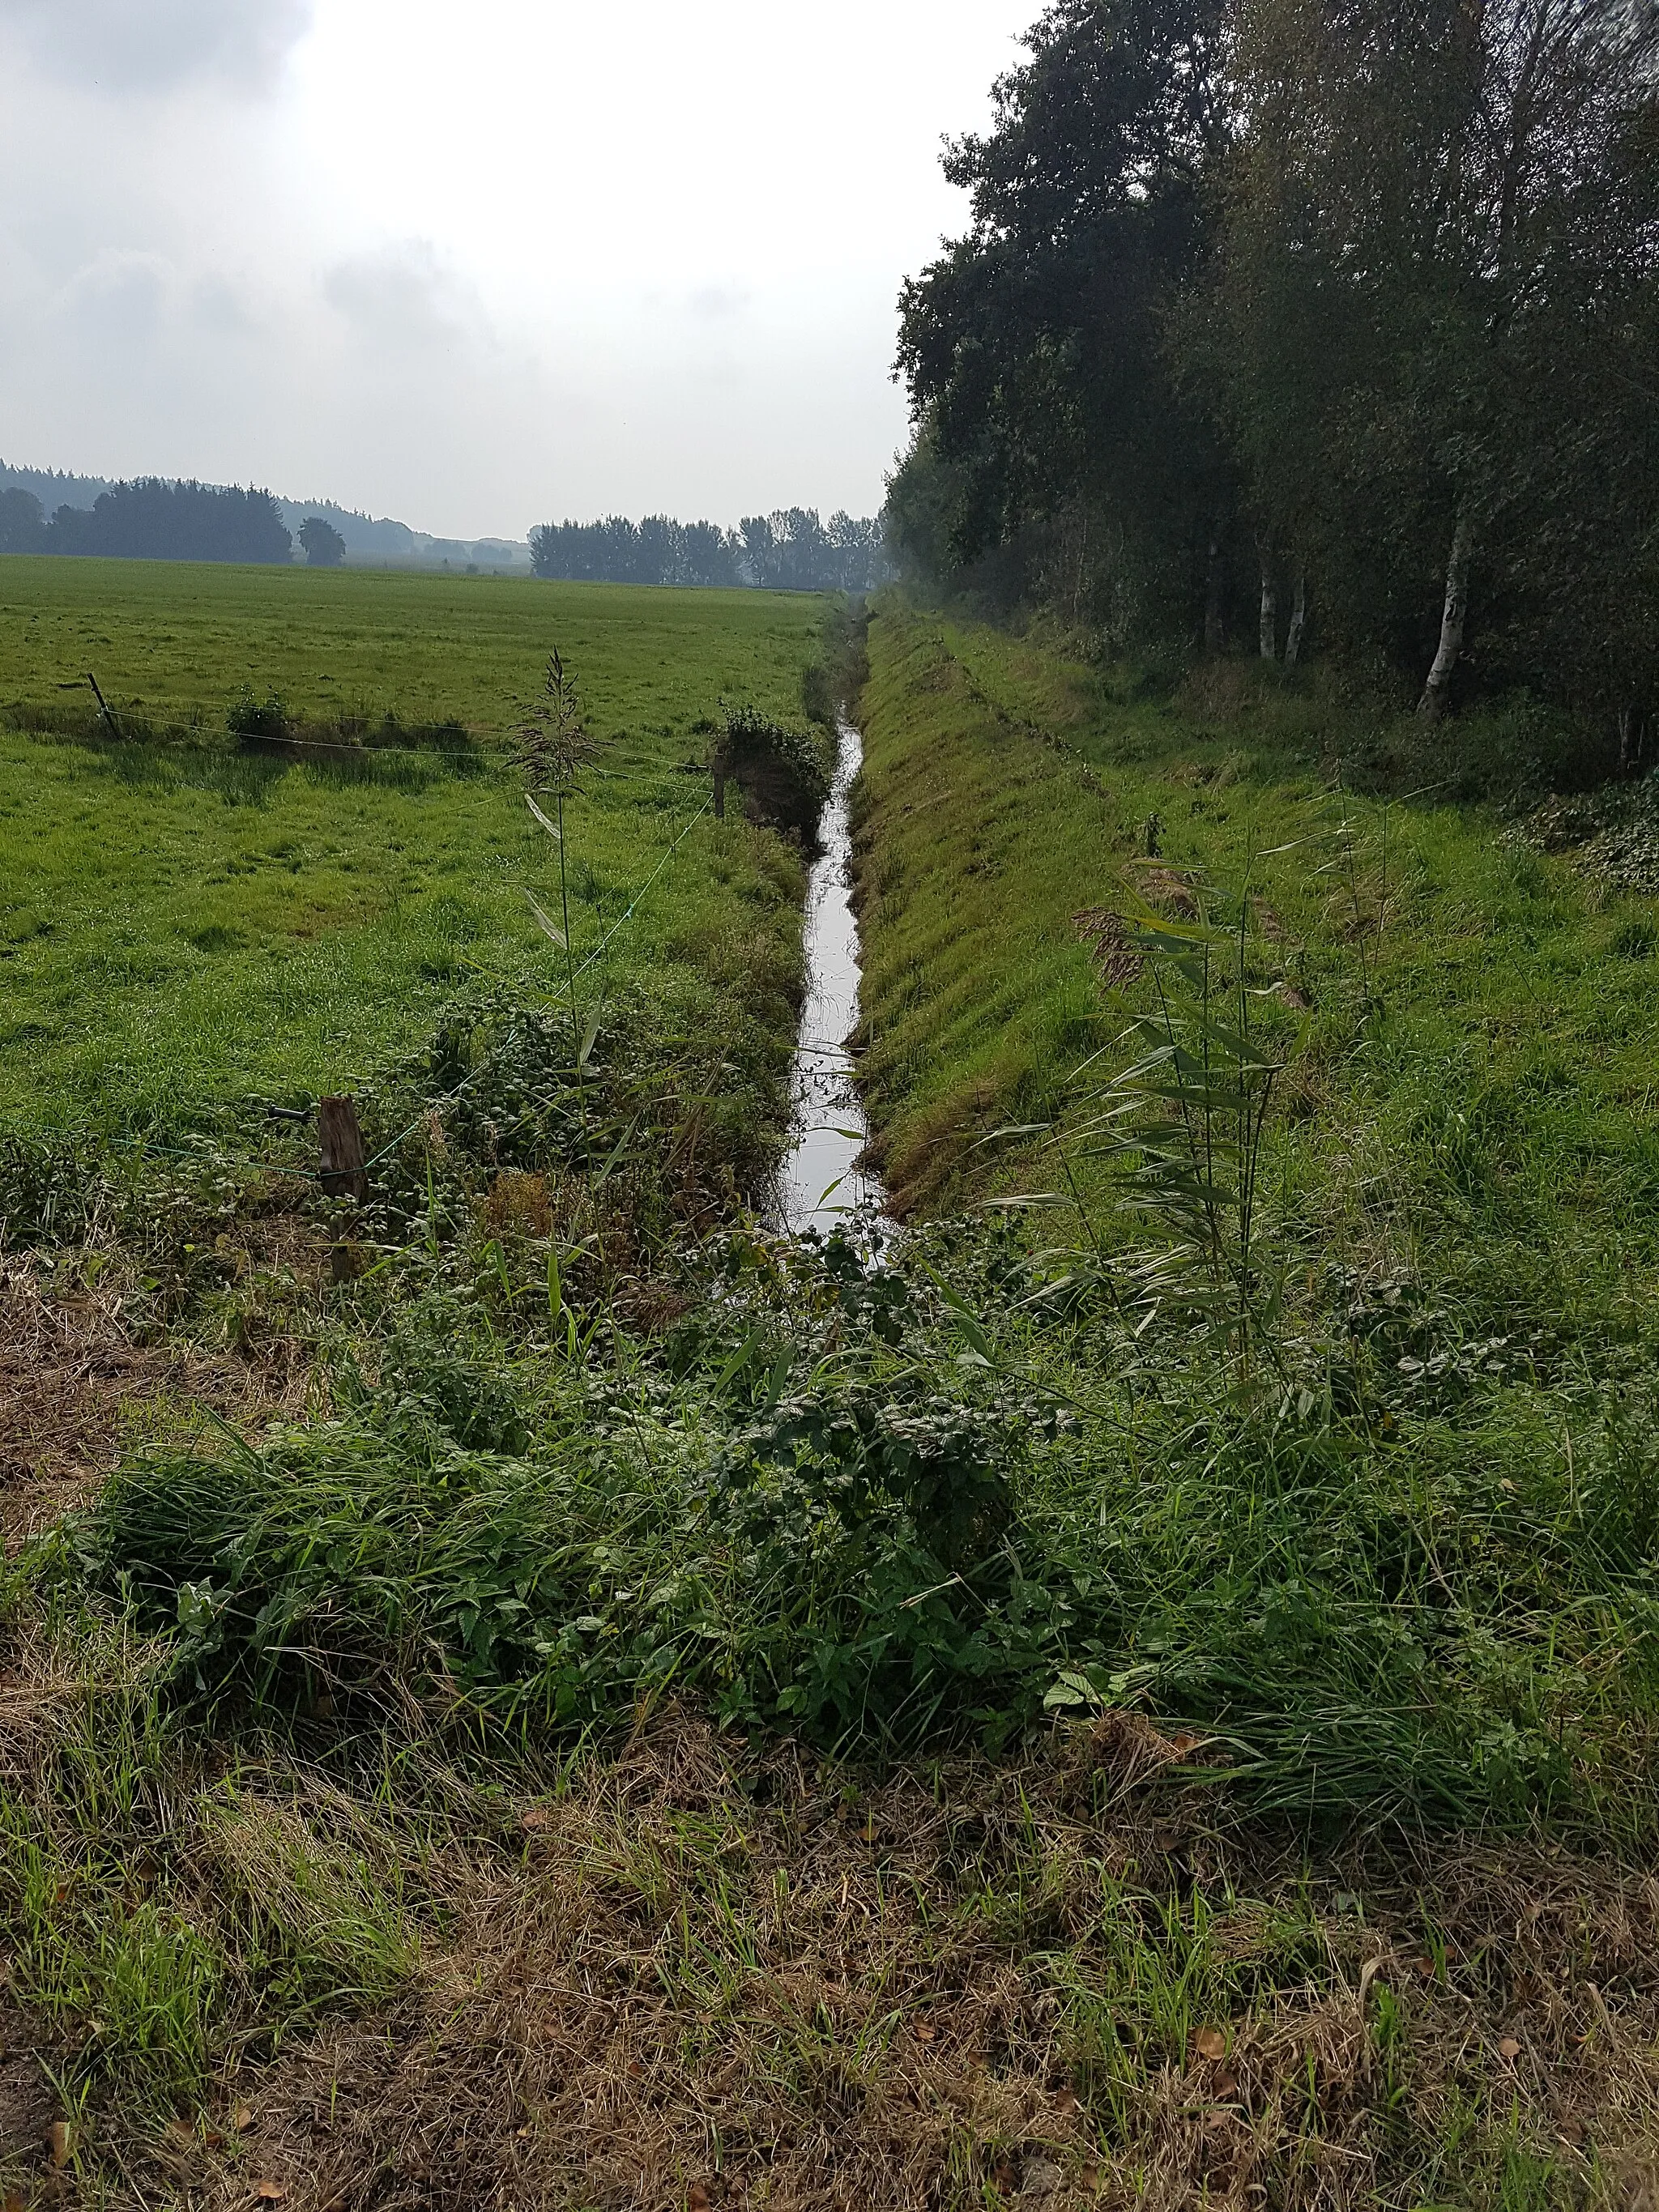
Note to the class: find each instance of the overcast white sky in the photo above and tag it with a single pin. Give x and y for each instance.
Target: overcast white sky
(476, 263)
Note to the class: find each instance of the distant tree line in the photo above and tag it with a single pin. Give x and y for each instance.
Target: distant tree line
(365, 537)
(1306, 322)
(151, 520)
(790, 550)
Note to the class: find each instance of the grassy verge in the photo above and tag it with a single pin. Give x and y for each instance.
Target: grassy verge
(1478, 1014)
(683, 1974)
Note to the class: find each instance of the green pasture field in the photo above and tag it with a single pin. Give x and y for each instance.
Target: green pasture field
(183, 923)
(172, 642)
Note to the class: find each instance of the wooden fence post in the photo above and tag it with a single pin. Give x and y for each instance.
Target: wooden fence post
(109, 722)
(345, 1174)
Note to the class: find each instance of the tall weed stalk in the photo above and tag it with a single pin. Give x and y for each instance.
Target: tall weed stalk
(553, 748)
(1184, 1124)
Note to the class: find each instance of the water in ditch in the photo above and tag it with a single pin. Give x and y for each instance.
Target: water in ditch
(819, 1185)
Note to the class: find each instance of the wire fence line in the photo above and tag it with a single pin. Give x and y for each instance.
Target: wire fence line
(316, 1174)
(496, 760)
(632, 907)
(480, 756)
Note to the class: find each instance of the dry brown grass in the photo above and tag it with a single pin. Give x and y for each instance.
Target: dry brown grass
(696, 1978)
(1173, 890)
(75, 1378)
(26, 2105)
(1117, 963)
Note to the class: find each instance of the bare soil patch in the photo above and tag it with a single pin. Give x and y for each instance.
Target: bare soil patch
(28, 2107)
(74, 1375)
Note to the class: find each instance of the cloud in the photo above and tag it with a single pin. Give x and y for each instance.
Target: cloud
(401, 297)
(217, 307)
(117, 298)
(720, 303)
(335, 245)
(155, 45)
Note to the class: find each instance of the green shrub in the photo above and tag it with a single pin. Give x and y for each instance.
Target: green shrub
(249, 717)
(783, 774)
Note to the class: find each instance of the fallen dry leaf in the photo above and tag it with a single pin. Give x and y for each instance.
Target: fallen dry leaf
(1425, 1967)
(1186, 1743)
(924, 2033)
(270, 2192)
(1509, 2048)
(696, 2198)
(1210, 2043)
(241, 2118)
(60, 2141)
(537, 1817)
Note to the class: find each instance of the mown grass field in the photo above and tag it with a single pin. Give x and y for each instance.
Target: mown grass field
(593, 1705)
(186, 924)
(171, 643)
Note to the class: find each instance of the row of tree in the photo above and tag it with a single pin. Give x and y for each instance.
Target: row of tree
(152, 521)
(790, 550)
(1333, 318)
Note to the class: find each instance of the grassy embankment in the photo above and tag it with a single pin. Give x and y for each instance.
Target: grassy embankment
(1423, 1560)
(1320, 1886)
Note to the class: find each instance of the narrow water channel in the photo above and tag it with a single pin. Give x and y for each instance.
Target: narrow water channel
(818, 1185)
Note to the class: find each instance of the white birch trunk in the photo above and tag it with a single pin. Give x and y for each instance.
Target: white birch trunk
(1269, 601)
(1298, 617)
(1632, 732)
(1432, 704)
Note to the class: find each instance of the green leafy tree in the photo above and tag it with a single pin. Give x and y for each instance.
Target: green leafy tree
(324, 546)
(22, 526)
(1350, 304)
(1433, 226)
(1033, 349)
